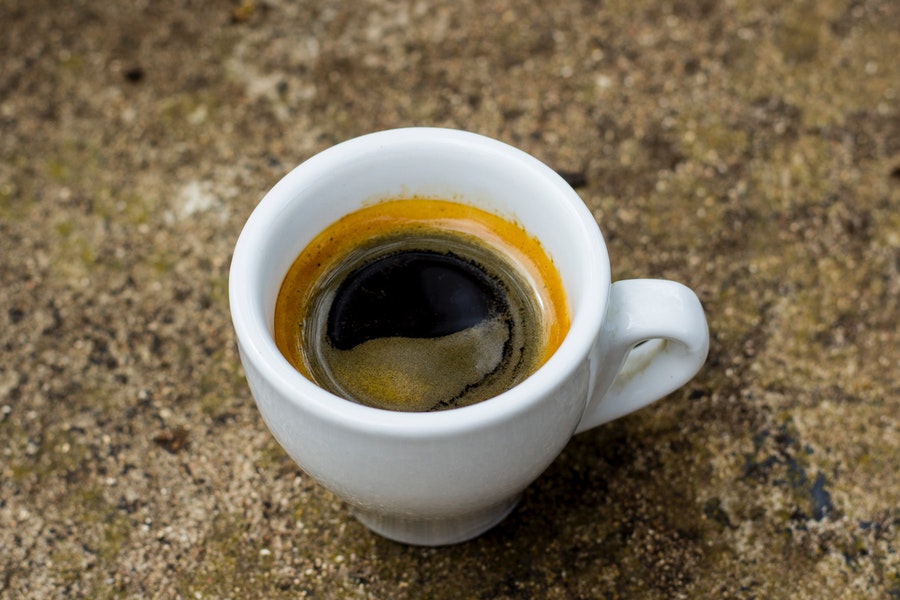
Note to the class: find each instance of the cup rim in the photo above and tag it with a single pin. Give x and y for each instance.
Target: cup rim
(257, 344)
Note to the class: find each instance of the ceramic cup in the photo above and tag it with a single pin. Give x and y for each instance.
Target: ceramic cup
(445, 477)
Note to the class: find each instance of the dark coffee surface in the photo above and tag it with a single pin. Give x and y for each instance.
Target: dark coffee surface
(423, 321)
(414, 294)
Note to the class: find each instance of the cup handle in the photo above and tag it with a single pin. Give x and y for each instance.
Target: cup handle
(654, 340)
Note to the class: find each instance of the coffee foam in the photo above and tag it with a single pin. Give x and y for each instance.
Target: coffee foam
(420, 374)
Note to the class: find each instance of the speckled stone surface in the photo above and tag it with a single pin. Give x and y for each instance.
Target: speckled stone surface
(748, 149)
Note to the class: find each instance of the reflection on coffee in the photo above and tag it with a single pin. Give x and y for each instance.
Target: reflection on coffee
(419, 305)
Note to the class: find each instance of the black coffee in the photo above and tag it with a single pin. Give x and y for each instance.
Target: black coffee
(420, 305)
(416, 294)
(426, 322)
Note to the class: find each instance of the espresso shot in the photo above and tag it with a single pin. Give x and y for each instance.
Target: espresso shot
(420, 305)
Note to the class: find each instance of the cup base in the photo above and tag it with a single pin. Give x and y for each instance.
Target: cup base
(436, 532)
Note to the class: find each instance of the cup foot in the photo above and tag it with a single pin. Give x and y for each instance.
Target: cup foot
(436, 531)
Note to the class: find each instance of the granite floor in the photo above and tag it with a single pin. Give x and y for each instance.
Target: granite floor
(750, 150)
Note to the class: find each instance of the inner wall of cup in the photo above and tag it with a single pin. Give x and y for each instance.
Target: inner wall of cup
(324, 192)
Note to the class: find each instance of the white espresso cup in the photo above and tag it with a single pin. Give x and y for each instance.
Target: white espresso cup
(443, 477)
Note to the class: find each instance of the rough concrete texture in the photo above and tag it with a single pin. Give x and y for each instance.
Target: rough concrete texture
(748, 149)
